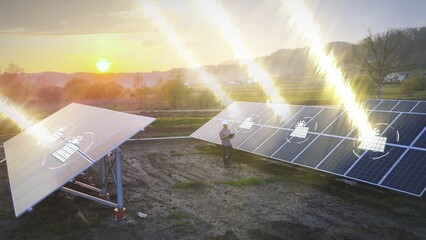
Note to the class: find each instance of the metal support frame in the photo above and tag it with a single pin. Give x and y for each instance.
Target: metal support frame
(120, 210)
(119, 179)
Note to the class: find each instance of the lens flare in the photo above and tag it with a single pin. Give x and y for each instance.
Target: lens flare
(37, 131)
(15, 114)
(303, 22)
(151, 12)
(218, 16)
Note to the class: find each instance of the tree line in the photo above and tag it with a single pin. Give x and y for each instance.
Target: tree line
(171, 93)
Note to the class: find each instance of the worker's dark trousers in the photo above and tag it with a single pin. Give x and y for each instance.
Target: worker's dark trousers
(226, 154)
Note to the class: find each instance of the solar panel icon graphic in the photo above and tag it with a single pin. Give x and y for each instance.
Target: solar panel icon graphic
(247, 124)
(373, 143)
(74, 138)
(68, 150)
(301, 131)
(322, 139)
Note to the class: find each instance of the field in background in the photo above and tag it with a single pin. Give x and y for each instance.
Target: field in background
(184, 122)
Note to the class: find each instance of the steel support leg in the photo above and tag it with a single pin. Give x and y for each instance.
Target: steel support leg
(104, 192)
(120, 211)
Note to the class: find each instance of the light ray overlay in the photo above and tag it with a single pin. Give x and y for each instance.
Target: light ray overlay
(302, 20)
(15, 114)
(218, 16)
(151, 12)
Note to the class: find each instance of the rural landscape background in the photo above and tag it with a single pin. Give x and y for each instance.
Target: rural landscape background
(48, 58)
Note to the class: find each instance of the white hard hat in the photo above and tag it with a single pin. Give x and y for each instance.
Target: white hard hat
(224, 122)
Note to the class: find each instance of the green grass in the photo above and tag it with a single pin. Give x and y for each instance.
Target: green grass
(188, 184)
(245, 182)
(180, 121)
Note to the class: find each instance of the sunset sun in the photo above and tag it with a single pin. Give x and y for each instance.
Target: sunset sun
(103, 65)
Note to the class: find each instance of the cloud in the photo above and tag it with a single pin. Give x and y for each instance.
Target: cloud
(63, 17)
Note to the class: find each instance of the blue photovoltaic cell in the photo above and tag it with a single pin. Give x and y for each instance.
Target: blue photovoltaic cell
(325, 117)
(404, 106)
(291, 149)
(316, 152)
(257, 138)
(373, 170)
(409, 174)
(208, 126)
(253, 113)
(340, 126)
(370, 104)
(230, 113)
(341, 159)
(421, 142)
(306, 112)
(242, 135)
(212, 130)
(420, 108)
(273, 143)
(386, 105)
(281, 117)
(408, 127)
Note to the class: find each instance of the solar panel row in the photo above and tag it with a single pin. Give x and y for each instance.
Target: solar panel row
(43, 158)
(322, 138)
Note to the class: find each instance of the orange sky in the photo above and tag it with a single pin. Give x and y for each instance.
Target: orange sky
(70, 36)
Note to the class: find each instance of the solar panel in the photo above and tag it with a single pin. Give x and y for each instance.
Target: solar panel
(321, 138)
(46, 156)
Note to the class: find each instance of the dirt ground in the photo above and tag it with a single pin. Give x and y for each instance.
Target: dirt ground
(187, 193)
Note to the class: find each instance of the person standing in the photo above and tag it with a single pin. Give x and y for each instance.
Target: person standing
(226, 135)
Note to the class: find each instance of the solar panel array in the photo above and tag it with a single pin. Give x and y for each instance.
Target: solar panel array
(321, 138)
(46, 156)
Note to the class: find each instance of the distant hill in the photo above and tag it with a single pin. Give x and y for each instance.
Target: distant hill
(281, 64)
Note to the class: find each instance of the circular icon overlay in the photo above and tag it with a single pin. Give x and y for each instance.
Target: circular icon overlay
(377, 144)
(64, 151)
(247, 124)
(299, 130)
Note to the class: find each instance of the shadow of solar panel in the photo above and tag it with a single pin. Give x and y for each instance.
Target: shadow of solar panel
(316, 152)
(65, 144)
(409, 175)
(341, 159)
(272, 144)
(404, 106)
(372, 170)
(257, 138)
(420, 108)
(370, 104)
(408, 127)
(386, 105)
(293, 147)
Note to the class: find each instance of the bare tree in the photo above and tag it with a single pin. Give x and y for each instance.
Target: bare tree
(381, 54)
(139, 89)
